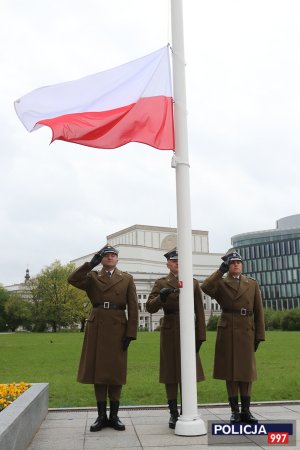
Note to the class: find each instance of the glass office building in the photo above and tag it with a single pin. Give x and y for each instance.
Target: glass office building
(272, 257)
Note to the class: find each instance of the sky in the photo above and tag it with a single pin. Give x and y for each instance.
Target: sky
(60, 201)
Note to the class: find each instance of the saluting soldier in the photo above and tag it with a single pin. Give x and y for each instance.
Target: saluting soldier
(165, 295)
(240, 330)
(108, 331)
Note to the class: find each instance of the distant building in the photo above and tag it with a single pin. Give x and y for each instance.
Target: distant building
(141, 250)
(21, 288)
(272, 257)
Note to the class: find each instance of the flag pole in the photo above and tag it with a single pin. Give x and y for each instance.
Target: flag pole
(189, 422)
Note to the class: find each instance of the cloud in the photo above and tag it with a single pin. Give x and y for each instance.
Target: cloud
(243, 97)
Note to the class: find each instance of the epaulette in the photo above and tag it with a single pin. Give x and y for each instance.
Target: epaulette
(251, 278)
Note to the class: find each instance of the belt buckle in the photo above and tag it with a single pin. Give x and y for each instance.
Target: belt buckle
(106, 305)
(243, 311)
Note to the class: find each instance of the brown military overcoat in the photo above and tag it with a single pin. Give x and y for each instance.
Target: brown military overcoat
(236, 334)
(170, 370)
(103, 360)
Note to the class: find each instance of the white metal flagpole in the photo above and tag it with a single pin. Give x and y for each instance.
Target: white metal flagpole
(189, 423)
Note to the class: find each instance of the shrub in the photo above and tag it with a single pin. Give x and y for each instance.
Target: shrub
(291, 320)
(212, 323)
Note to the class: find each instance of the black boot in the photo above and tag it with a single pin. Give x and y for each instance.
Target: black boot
(235, 412)
(101, 421)
(114, 421)
(246, 415)
(173, 413)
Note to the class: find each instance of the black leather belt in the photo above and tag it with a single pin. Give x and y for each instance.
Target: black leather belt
(241, 312)
(109, 305)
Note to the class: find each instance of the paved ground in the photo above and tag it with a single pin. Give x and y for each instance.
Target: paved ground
(147, 429)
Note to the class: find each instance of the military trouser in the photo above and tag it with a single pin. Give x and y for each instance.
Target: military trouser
(113, 391)
(234, 387)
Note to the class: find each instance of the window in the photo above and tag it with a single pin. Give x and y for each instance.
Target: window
(273, 277)
(247, 253)
(278, 276)
(272, 250)
(284, 276)
(279, 263)
(254, 266)
(294, 275)
(264, 264)
(295, 261)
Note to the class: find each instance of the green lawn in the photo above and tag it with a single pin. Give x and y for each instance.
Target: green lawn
(54, 357)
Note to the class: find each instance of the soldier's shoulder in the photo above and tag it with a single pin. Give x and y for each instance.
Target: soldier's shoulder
(124, 273)
(250, 278)
(162, 279)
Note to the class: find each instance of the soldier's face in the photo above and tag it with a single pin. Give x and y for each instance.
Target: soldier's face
(109, 261)
(235, 268)
(172, 264)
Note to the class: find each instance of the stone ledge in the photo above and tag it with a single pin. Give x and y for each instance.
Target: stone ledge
(22, 418)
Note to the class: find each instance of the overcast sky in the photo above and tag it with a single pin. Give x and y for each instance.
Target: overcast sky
(243, 99)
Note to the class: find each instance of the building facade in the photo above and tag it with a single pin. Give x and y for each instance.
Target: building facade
(272, 257)
(141, 249)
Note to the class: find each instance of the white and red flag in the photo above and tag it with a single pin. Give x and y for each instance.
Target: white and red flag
(129, 103)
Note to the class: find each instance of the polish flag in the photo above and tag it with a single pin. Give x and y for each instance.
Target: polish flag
(129, 103)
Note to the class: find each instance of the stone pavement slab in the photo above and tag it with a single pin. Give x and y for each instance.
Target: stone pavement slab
(147, 429)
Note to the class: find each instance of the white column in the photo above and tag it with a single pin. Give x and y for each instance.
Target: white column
(189, 423)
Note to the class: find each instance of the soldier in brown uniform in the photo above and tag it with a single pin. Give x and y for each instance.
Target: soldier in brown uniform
(165, 295)
(240, 330)
(108, 331)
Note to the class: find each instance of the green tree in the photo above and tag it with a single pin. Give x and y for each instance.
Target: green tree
(4, 296)
(17, 312)
(80, 306)
(53, 295)
(38, 312)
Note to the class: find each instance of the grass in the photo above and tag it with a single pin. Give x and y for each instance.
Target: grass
(54, 358)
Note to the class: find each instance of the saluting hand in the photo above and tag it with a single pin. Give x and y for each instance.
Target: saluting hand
(96, 259)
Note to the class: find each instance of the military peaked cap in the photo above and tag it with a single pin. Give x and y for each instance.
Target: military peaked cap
(108, 249)
(231, 256)
(172, 254)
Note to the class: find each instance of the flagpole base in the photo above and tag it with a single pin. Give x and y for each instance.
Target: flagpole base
(190, 427)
